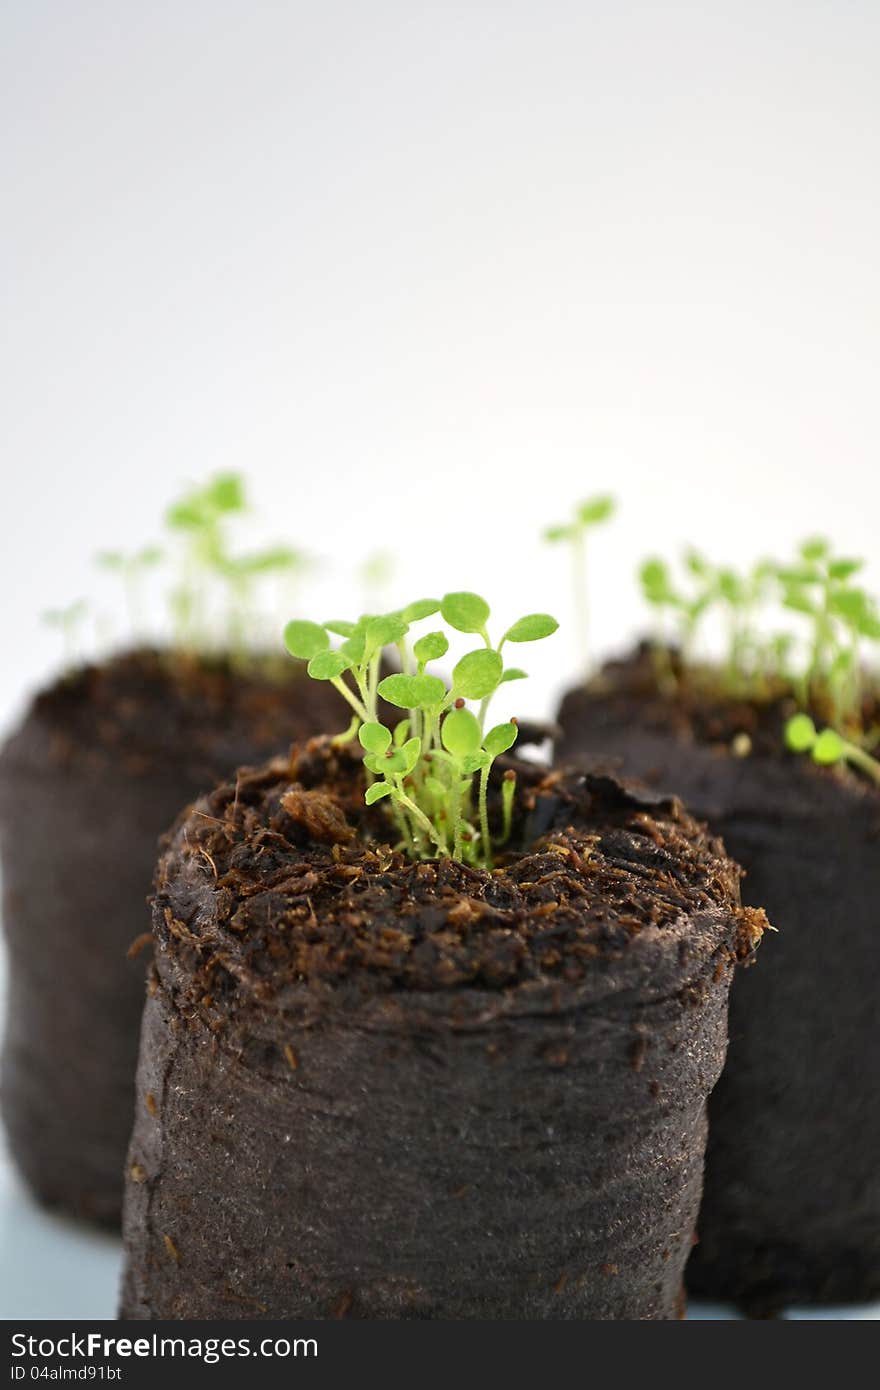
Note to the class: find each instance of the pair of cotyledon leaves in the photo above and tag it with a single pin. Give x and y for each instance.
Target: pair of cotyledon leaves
(592, 512)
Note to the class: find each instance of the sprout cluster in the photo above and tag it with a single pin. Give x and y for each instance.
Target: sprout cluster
(804, 627)
(200, 520)
(704, 589)
(217, 596)
(431, 767)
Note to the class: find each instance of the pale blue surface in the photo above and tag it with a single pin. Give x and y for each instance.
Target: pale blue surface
(51, 1267)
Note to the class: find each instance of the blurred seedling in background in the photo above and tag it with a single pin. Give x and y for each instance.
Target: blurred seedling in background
(825, 673)
(741, 598)
(376, 576)
(69, 623)
(201, 518)
(430, 769)
(595, 511)
(217, 602)
(678, 610)
(828, 748)
(132, 569)
(241, 574)
(842, 619)
(681, 610)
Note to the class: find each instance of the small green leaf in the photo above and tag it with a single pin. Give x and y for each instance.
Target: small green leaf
(279, 557)
(66, 617)
(799, 574)
(828, 748)
(730, 587)
(355, 646)
(401, 732)
(410, 752)
(460, 733)
(226, 493)
(305, 640)
(412, 692)
(798, 602)
(844, 569)
(421, 608)
(654, 577)
(800, 733)
(816, 548)
(396, 760)
(185, 516)
(499, 739)
(328, 666)
(375, 738)
(465, 612)
(385, 631)
(696, 564)
(849, 604)
(475, 761)
(531, 628)
(341, 628)
(558, 533)
(376, 792)
(513, 673)
(595, 510)
(430, 647)
(478, 674)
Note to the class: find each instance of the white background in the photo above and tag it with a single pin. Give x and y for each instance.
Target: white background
(428, 273)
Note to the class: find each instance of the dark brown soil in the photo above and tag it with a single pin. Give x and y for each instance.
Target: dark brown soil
(127, 713)
(791, 1211)
(423, 1090)
(102, 763)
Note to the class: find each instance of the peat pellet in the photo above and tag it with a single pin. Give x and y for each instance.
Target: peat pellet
(101, 765)
(791, 1211)
(373, 1088)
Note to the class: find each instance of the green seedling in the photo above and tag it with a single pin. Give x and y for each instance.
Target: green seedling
(201, 519)
(682, 609)
(842, 619)
(429, 769)
(241, 573)
(828, 747)
(132, 569)
(678, 609)
(741, 597)
(212, 583)
(587, 516)
(68, 621)
(825, 674)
